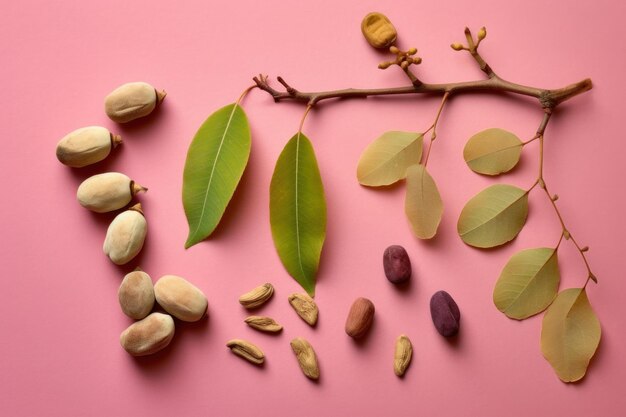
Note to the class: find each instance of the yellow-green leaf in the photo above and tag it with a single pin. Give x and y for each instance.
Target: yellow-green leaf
(386, 160)
(423, 205)
(528, 283)
(570, 334)
(492, 151)
(298, 211)
(494, 216)
(216, 159)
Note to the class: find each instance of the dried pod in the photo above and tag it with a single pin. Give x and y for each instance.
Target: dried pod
(378, 30)
(126, 235)
(445, 313)
(305, 307)
(132, 101)
(397, 264)
(403, 355)
(180, 298)
(306, 358)
(107, 192)
(86, 146)
(246, 350)
(149, 335)
(136, 295)
(264, 324)
(257, 296)
(360, 318)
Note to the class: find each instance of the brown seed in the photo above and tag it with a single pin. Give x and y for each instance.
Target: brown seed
(445, 314)
(246, 350)
(136, 295)
(180, 298)
(403, 355)
(397, 264)
(306, 358)
(264, 324)
(360, 318)
(305, 307)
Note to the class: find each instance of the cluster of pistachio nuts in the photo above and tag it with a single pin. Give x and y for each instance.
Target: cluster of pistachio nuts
(154, 331)
(303, 305)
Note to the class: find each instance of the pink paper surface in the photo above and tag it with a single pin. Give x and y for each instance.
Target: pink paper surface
(59, 351)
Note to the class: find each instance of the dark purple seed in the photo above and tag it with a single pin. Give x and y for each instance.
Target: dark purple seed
(397, 264)
(445, 313)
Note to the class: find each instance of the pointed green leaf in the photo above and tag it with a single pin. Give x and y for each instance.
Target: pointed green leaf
(423, 205)
(216, 159)
(386, 160)
(528, 283)
(570, 334)
(492, 151)
(298, 211)
(494, 216)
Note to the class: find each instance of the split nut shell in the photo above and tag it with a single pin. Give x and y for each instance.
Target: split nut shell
(149, 335)
(86, 146)
(126, 235)
(180, 298)
(306, 358)
(132, 101)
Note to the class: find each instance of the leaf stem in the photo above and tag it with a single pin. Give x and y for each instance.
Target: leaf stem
(433, 135)
(306, 112)
(245, 93)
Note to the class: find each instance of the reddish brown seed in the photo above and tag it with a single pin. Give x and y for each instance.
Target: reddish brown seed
(397, 264)
(360, 318)
(445, 314)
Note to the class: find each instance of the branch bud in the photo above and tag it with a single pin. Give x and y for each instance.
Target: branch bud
(394, 50)
(404, 65)
(384, 65)
(412, 51)
(555, 197)
(584, 249)
(457, 46)
(482, 33)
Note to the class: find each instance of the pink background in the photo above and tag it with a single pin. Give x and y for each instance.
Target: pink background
(59, 352)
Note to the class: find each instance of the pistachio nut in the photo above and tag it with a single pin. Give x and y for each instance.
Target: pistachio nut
(378, 30)
(403, 355)
(149, 335)
(125, 235)
(306, 358)
(132, 101)
(107, 192)
(305, 307)
(257, 296)
(264, 324)
(180, 298)
(86, 146)
(136, 294)
(246, 350)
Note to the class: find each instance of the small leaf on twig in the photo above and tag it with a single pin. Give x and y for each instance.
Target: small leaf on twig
(492, 151)
(423, 205)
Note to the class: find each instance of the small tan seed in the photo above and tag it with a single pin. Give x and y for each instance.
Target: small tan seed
(107, 192)
(86, 146)
(378, 30)
(403, 355)
(305, 307)
(132, 101)
(126, 235)
(264, 324)
(257, 297)
(306, 358)
(180, 298)
(246, 350)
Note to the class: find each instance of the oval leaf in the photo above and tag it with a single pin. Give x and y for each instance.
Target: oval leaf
(570, 334)
(216, 159)
(298, 211)
(386, 160)
(528, 283)
(492, 151)
(494, 216)
(423, 205)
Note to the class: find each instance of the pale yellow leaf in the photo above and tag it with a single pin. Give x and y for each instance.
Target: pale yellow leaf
(386, 160)
(423, 205)
(570, 334)
(492, 151)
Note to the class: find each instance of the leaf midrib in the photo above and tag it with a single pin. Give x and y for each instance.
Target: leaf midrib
(384, 164)
(494, 217)
(297, 216)
(492, 153)
(533, 278)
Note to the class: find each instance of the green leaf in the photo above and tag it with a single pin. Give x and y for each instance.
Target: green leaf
(492, 151)
(570, 334)
(423, 205)
(386, 160)
(528, 283)
(216, 159)
(298, 211)
(494, 216)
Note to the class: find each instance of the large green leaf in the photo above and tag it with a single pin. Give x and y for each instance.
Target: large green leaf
(386, 160)
(216, 159)
(570, 334)
(423, 205)
(528, 283)
(298, 211)
(494, 216)
(492, 151)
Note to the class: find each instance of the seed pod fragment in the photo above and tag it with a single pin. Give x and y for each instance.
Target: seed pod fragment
(397, 264)
(86, 146)
(305, 307)
(378, 30)
(126, 235)
(257, 296)
(107, 192)
(132, 101)
(136, 294)
(445, 314)
(180, 298)
(403, 355)
(246, 350)
(264, 324)
(306, 358)
(360, 318)
(149, 335)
